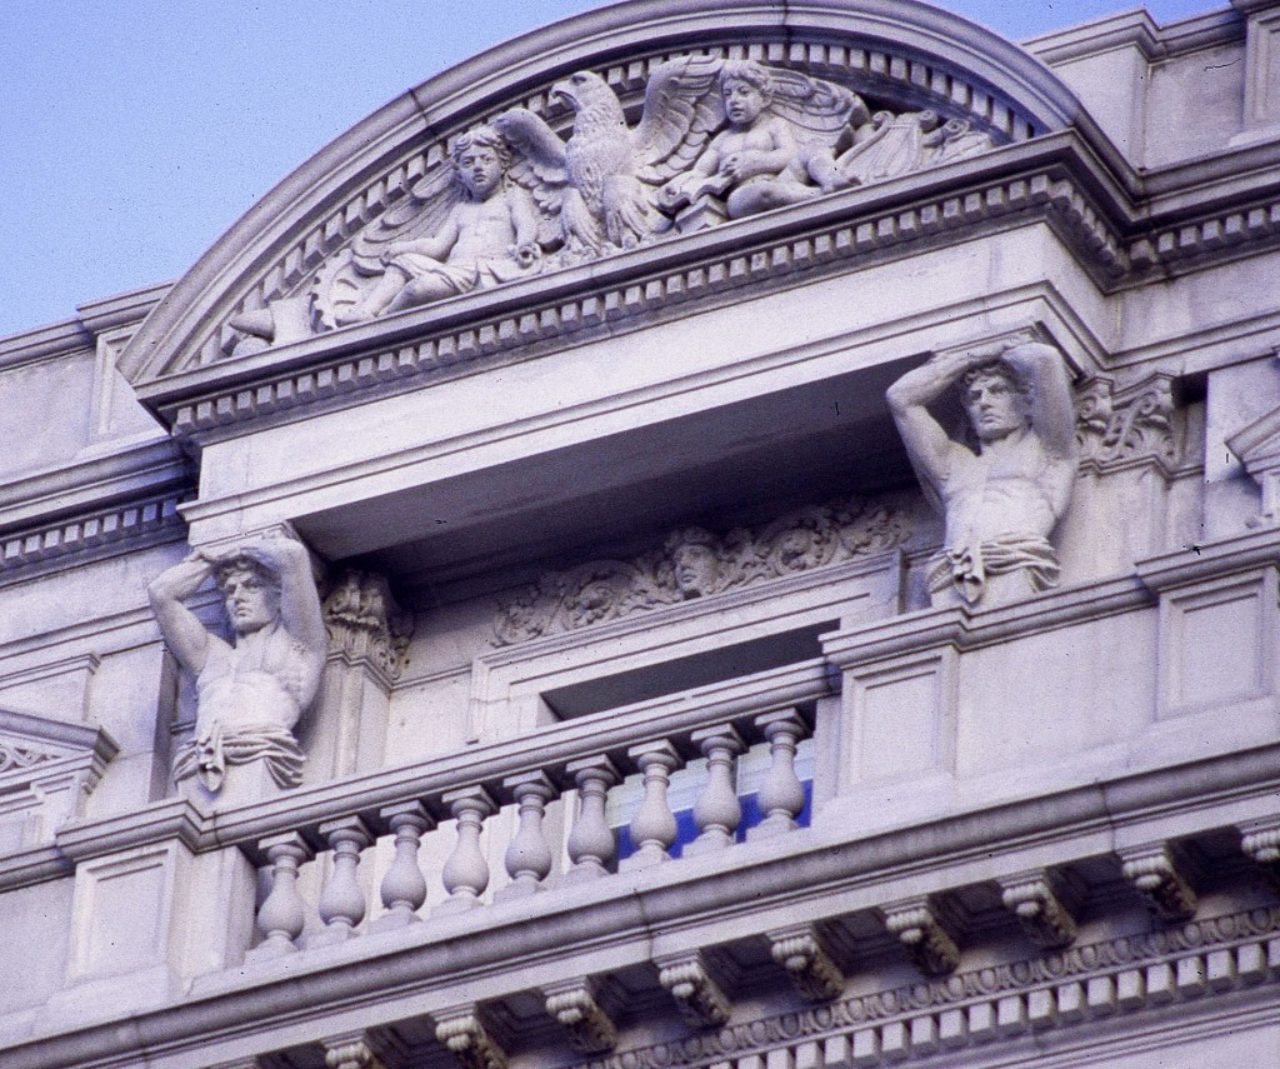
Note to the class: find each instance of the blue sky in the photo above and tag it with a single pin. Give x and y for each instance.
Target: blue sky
(134, 132)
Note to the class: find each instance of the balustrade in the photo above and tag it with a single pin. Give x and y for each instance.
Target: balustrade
(529, 857)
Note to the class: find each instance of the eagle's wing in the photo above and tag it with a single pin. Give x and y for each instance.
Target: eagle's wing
(537, 165)
(682, 109)
(819, 112)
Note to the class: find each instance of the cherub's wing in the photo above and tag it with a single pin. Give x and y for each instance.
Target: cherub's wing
(420, 214)
(682, 109)
(818, 111)
(537, 165)
(349, 273)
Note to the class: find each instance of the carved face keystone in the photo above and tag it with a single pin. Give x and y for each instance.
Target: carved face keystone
(696, 570)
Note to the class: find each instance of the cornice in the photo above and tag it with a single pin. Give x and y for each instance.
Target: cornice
(1138, 30)
(1119, 237)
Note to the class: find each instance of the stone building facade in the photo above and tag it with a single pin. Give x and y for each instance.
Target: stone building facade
(748, 535)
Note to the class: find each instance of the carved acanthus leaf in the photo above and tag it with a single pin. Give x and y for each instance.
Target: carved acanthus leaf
(696, 563)
(466, 1037)
(364, 621)
(700, 999)
(1040, 911)
(1125, 425)
(574, 1005)
(919, 929)
(800, 951)
(1159, 874)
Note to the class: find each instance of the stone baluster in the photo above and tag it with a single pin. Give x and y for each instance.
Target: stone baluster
(404, 888)
(591, 845)
(717, 811)
(466, 875)
(342, 904)
(528, 858)
(283, 914)
(781, 795)
(653, 828)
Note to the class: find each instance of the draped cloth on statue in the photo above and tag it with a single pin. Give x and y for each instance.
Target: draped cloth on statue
(208, 756)
(966, 569)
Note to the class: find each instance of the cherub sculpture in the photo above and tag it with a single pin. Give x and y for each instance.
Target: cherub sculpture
(776, 148)
(469, 228)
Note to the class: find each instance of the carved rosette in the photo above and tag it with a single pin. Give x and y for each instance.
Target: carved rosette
(696, 563)
(365, 623)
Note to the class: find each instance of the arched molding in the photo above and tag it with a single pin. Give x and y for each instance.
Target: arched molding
(902, 51)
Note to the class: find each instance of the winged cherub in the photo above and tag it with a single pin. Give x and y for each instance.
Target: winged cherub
(606, 175)
(488, 235)
(776, 146)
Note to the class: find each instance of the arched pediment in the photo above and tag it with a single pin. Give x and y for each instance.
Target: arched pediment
(952, 89)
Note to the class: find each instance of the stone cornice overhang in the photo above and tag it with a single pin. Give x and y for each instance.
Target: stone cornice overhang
(120, 499)
(1124, 229)
(809, 876)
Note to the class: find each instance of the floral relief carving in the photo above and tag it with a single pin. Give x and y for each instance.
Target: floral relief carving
(363, 620)
(14, 755)
(1137, 423)
(717, 139)
(695, 563)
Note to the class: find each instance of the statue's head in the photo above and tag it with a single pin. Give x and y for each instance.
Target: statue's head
(250, 592)
(480, 157)
(694, 556)
(746, 87)
(995, 400)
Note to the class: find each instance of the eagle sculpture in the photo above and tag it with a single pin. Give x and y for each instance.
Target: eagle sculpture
(606, 174)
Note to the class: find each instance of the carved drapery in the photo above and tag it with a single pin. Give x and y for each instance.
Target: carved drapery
(695, 563)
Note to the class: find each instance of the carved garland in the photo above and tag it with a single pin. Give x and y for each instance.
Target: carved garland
(695, 563)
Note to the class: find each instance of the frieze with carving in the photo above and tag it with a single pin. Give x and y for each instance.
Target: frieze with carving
(717, 139)
(14, 755)
(695, 563)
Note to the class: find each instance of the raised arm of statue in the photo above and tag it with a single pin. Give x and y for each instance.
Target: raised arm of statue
(185, 635)
(300, 611)
(1053, 412)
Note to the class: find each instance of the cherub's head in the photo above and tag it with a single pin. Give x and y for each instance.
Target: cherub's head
(692, 551)
(996, 402)
(480, 158)
(746, 87)
(250, 592)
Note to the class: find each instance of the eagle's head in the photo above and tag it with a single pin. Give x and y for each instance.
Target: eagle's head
(586, 91)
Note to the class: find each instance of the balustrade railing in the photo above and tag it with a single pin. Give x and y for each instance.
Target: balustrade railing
(651, 739)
